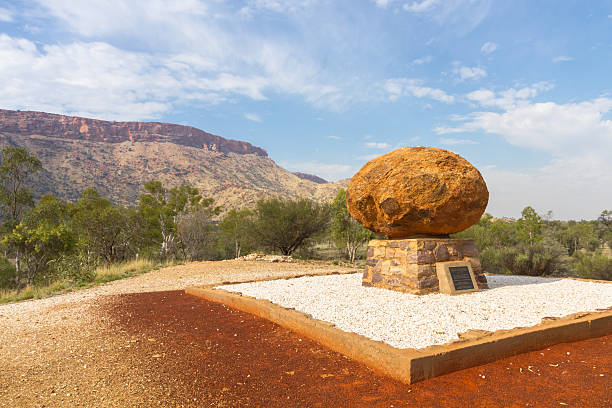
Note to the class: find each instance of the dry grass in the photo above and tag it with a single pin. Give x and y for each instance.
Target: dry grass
(105, 273)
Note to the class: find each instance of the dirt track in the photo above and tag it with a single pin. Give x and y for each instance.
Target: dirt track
(118, 345)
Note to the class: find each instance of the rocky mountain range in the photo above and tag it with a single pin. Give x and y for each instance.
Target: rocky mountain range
(117, 158)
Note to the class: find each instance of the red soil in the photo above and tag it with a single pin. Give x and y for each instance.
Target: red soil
(216, 356)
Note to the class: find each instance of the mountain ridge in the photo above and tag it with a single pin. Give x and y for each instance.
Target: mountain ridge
(234, 174)
(79, 128)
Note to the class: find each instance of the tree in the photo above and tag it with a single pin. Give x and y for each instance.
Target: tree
(161, 209)
(235, 230)
(105, 230)
(285, 225)
(44, 234)
(529, 226)
(606, 218)
(346, 232)
(17, 165)
(196, 233)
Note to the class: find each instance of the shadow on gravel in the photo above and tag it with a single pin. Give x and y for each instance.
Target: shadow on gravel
(206, 354)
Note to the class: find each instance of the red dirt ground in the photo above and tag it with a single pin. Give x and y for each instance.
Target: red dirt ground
(211, 355)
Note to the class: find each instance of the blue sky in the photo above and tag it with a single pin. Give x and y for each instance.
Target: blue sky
(522, 89)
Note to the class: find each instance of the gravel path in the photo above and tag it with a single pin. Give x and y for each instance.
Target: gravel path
(63, 351)
(410, 321)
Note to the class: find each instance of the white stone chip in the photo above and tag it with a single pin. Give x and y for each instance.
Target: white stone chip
(410, 321)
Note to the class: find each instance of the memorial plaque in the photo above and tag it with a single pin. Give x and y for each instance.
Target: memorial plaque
(456, 277)
(462, 280)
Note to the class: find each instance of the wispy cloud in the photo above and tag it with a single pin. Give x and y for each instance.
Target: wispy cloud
(398, 87)
(377, 145)
(463, 14)
(472, 73)
(382, 3)
(253, 117)
(510, 97)
(423, 60)
(421, 6)
(488, 47)
(562, 58)
(452, 141)
(334, 137)
(573, 139)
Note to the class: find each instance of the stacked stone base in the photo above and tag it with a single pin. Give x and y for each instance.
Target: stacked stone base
(409, 265)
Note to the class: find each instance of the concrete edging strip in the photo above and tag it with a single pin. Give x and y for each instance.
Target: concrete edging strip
(410, 365)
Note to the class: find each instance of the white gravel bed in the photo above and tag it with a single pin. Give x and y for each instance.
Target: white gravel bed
(411, 321)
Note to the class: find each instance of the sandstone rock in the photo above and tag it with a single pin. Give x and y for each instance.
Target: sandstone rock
(417, 190)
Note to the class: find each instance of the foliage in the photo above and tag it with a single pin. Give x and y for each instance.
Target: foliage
(285, 225)
(105, 230)
(346, 232)
(8, 274)
(593, 266)
(196, 234)
(43, 234)
(529, 226)
(236, 231)
(535, 259)
(161, 209)
(76, 268)
(17, 165)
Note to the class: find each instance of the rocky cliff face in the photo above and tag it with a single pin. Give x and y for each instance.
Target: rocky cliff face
(76, 128)
(117, 158)
(311, 177)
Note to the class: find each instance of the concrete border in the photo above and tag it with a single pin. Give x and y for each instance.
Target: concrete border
(411, 365)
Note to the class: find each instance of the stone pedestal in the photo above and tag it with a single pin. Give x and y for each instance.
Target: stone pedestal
(409, 265)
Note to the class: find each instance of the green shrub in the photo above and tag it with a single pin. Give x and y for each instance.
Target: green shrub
(592, 266)
(536, 259)
(8, 274)
(76, 268)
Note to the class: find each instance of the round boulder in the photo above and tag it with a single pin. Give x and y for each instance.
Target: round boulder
(417, 191)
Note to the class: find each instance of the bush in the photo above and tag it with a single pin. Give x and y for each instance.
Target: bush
(76, 268)
(592, 266)
(535, 259)
(8, 274)
(286, 225)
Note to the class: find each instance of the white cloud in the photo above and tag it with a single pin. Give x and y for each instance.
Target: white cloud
(96, 79)
(328, 171)
(488, 47)
(508, 98)
(574, 141)
(334, 137)
(377, 145)
(469, 72)
(452, 142)
(397, 87)
(253, 117)
(6, 15)
(464, 15)
(562, 58)
(421, 6)
(263, 61)
(382, 3)
(423, 60)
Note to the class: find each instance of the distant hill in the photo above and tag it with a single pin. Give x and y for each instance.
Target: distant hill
(117, 158)
(311, 177)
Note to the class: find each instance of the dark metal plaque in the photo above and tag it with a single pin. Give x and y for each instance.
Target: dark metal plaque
(462, 280)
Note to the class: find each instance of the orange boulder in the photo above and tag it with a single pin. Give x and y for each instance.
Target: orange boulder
(417, 190)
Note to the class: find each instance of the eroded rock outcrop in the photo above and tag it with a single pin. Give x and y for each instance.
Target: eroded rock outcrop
(417, 190)
(73, 127)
